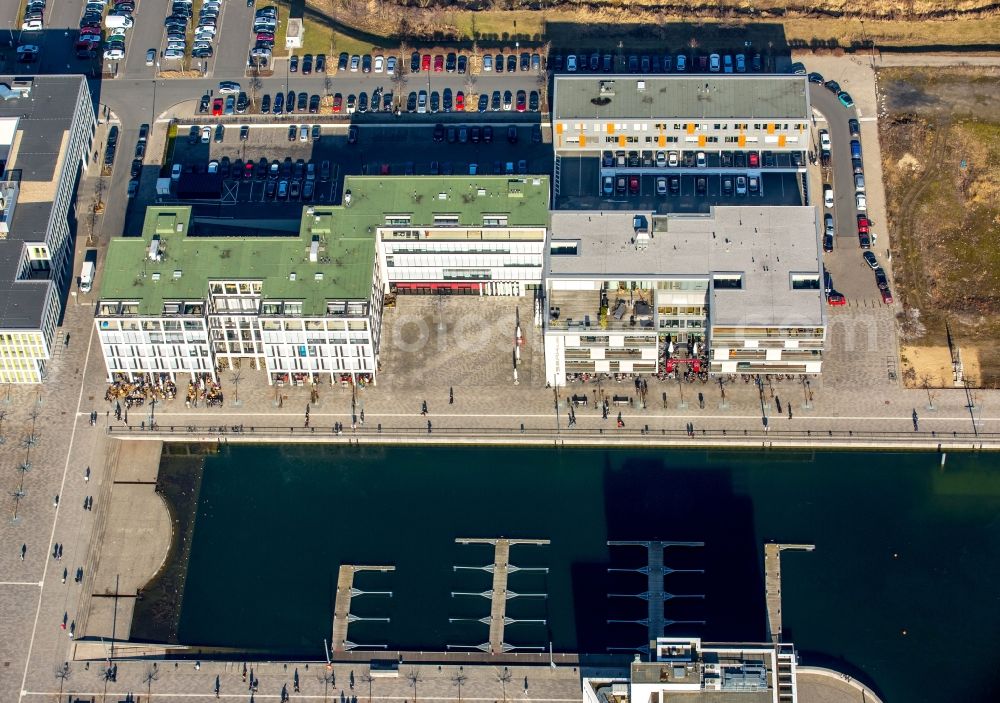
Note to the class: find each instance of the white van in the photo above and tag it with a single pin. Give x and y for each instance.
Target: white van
(87, 276)
(118, 22)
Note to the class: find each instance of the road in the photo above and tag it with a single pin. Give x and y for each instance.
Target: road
(845, 211)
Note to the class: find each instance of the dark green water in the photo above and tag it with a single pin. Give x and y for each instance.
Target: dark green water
(903, 590)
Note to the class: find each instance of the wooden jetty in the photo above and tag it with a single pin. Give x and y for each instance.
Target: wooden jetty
(342, 604)
(772, 583)
(498, 595)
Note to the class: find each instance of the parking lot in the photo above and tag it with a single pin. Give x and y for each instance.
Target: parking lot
(581, 186)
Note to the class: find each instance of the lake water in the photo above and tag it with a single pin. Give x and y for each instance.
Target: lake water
(902, 590)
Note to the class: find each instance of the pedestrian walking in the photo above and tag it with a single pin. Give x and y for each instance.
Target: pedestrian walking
(451, 396)
(701, 401)
(65, 574)
(24, 550)
(777, 403)
(55, 501)
(295, 681)
(362, 416)
(789, 411)
(244, 671)
(60, 552)
(423, 408)
(86, 475)
(218, 686)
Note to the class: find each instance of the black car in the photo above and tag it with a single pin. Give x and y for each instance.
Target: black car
(342, 61)
(320, 63)
(313, 104)
(244, 133)
(854, 126)
(511, 63)
(136, 169)
(290, 100)
(701, 186)
(352, 134)
(525, 61)
(816, 77)
(307, 64)
(293, 64)
(536, 133)
(302, 103)
(292, 132)
(362, 101)
(225, 167)
(827, 242)
(498, 63)
(557, 62)
(203, 104)
(265, 104)
(414, 62)
(260, 172)
(439, 132)
(726, 159)
(140, 150)
(435, 101)
(446, 100)
(484, 102)
(533, 101)
(832, 86)
(194, 134)
(512, 134)
(488, 134)
(242, 101)
(411, 102)
(674, 185)
(475, 135)
(740, 159)
(366, 63)
(727, 185)
(452, 135)
(450, 62)
(463, 63)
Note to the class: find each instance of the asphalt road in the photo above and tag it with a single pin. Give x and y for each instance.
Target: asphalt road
(147, 33)
(844, 211)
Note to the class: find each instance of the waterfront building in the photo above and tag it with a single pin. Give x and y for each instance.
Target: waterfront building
(710, 113)
(685, 668)
(176, 302)
(47, 127)
(463, 235)
(736, 290)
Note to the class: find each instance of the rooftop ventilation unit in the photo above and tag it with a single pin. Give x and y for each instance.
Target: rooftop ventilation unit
(607, 88)
(318, 276)
(291, 276)
(177, 273)
(640, 86)
(155, 276)
(154, 249)
(314, 249)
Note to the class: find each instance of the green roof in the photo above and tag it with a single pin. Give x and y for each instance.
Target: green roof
(345, 258)
(524, 199)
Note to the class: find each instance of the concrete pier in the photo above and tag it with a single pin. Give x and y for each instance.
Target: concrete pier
(499, 594)
(342, 605)
(655, 570)
(772, 584)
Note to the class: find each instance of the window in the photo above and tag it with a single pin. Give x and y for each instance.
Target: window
(727, 281)
(805, 281)
(494, 220)
(397, 219)
(293, 308)
(446, 220)
(557, 248)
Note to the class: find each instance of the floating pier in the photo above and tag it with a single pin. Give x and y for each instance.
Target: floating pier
(342, 616)
(772, 584)
(498, 595)
(654, 594)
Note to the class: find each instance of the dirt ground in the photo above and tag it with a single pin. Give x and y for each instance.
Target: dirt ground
(932, 367)
(940, 137)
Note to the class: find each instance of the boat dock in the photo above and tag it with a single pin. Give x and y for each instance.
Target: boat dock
(772, 583)
(655, 570)
(501, 568)
(342, 605)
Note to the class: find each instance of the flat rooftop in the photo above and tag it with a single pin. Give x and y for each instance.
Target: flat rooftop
(609, 97)
(34, 132)
(523, 199)
(345, 259)
(766, 245)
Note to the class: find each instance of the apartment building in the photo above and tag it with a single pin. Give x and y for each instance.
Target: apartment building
(47, 128)
(461, 235)
(711, 113)
(735, 290)
(182, 302)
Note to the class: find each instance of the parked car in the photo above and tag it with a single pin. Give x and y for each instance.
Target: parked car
(871, 260)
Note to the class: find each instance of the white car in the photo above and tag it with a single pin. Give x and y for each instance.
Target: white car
(661, 159)
(118, 54)
(824, 140)
(151, 57)
(206, 29)
(229, 88)
(700, 160)
(661, 185)
(175, 172)
(206, 135)
(673, 159)
(828, 195)
(714, 63)
(487, 63)
(31, 26)
(379, 64)
(862, 202)
(172, 54)
(355, 63)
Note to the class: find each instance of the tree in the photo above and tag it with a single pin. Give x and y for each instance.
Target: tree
(458, 679)
(366, 677)
(413, 676)
(328, 677)
(504, 677)
(63, 672)
(151, 674)
(926, 384)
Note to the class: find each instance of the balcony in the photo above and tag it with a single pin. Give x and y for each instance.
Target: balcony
(601, 310)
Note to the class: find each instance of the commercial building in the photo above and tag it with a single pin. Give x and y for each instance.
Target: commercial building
(463, 235)
(687, 669)
(712, 113)
(736, 290)
(47, 127)
(304, 308)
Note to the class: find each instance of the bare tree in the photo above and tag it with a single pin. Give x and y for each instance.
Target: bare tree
(235, 378)
(413, 676)
(151, 674)
(329, 678)
(63, 672)
(926, 384)
(366, 677)
(504, 677)
(459, 679)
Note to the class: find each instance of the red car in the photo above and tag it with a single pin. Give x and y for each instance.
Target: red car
(633, 185)
(438, 63)
(265, 36)
(425, 62)
(522, 101)
(754, 159)
(459, 101)
(886, 296)
(863, 224)
(835, 298)
(217, 106)
(338, 102)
